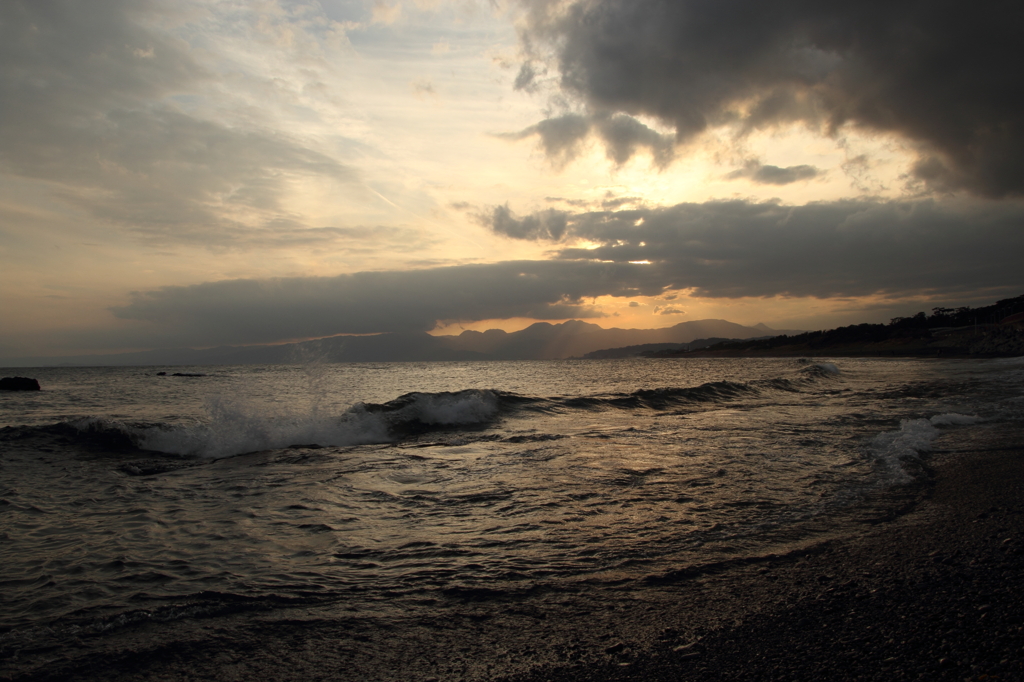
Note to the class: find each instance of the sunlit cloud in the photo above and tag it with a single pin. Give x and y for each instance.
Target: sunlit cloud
(617, 152)
(385, 12)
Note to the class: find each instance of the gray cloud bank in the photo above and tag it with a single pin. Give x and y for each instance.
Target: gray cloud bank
(942, 74)
(718, 249)
(842, 248)
(255, 311)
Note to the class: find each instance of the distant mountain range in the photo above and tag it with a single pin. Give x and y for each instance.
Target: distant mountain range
(657, 349)
(540, 341)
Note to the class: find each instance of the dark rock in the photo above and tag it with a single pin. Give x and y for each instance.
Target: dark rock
(18, 384)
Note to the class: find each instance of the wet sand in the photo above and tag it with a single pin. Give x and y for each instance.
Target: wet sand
(934, 593)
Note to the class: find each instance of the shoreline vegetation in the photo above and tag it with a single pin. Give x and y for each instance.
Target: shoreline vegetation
(993, 331)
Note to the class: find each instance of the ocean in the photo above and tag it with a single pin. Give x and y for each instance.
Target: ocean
(141, 499)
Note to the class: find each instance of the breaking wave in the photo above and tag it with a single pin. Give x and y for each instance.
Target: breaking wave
(914, 437)
(235, 426)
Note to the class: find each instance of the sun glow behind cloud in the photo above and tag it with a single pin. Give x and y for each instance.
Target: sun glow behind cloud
(211, 142)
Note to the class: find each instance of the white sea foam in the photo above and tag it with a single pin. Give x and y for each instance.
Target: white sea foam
(236, 429)
(237, 426)
(819, 368)
(914, 437)
(95, 424)
(463, 407)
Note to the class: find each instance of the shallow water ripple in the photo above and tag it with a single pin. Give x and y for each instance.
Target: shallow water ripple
(545, 475)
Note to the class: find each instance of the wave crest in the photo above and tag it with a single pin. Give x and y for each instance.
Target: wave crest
(235, 426)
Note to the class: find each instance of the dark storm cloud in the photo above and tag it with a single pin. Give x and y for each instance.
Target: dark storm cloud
(562, 137)
(943, 74)
(252, 311)
(624, 135)
(842, 248)
(549, 224)
(773, 175)
(86, 103)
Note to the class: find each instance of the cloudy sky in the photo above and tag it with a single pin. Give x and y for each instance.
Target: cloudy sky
(198, 172)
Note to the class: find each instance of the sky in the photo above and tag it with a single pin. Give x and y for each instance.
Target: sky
(198, 173)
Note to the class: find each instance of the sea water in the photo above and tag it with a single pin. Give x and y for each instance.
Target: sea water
(149, 494)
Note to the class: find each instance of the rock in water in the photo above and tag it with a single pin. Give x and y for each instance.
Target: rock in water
(18, 384)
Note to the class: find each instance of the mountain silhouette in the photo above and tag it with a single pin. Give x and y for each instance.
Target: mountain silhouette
(539, 341)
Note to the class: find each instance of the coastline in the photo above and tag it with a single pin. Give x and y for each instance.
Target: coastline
(923, 353)
(932, 592)
(1003, 341)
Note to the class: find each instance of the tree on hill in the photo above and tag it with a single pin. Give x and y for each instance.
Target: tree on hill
(912, 327)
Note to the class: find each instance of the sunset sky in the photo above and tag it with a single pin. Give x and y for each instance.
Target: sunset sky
(197, 173)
